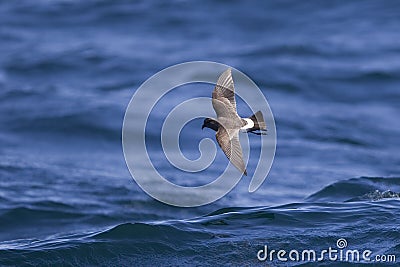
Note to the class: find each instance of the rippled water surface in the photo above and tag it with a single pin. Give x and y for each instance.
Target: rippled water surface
(331, 74)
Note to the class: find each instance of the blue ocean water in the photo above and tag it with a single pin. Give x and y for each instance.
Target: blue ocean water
(331, 74)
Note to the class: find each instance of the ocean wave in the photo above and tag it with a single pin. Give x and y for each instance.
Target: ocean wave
(378, 195)
(355, 188)
(72, 125)
(22, 215)
(156, 232)
(218, 236)
(63, 62)
(369, 76)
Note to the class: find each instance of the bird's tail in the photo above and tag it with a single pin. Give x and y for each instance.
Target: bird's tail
(259, 123)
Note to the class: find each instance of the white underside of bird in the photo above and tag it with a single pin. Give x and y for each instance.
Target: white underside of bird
(249, 125)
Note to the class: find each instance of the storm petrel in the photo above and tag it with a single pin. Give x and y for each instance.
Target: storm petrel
(228, 123)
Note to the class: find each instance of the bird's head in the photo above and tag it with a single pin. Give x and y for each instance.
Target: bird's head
(210, 123)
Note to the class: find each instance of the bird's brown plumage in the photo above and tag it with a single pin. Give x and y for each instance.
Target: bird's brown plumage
(224, 104)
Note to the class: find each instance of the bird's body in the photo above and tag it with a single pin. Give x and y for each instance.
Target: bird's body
(228, 123)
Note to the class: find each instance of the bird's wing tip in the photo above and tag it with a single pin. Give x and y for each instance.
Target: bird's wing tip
(228, 70)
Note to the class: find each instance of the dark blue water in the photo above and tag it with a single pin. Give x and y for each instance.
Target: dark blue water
(331, 74)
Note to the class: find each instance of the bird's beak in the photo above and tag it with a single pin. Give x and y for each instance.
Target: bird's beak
(202, 127)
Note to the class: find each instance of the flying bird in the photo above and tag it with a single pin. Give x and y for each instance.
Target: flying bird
(228, 123)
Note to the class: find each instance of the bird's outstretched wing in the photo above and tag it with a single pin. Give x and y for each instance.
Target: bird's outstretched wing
(229, 143)
(224, 109)
(224, 88)
(223, 101)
